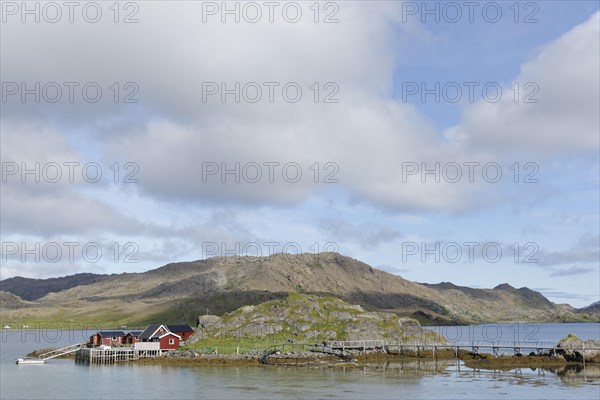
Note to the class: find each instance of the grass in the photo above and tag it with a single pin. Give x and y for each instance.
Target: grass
(230, 345)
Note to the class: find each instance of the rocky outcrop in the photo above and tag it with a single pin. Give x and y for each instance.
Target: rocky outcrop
(309, 318)
(208, 321)
(577, 350)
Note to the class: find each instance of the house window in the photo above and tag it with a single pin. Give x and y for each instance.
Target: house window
(171, 341)
(114, 338)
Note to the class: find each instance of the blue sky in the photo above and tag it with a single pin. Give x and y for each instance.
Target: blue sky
(176, 208)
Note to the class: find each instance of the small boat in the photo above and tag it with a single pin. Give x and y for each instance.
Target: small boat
(30, 361)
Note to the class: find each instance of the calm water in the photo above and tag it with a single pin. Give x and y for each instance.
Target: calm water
(63, 379)
(517, 332)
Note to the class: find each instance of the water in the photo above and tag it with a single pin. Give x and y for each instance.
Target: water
(63, 379)
(519, 332)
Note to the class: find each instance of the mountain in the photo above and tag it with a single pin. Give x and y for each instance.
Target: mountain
(180, 291)
(33, 289)
(593, 308)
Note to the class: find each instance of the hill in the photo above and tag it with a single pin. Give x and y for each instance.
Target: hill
(591, 312)
(307, 318)
(10, 301)
(33, 289)
(178, 292)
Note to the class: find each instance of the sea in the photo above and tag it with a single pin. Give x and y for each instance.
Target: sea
(448, 379)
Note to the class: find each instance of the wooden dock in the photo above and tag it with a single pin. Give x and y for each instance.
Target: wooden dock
(113, 356)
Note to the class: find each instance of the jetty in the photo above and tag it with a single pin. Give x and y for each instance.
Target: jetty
(117, 355)
(42, 358)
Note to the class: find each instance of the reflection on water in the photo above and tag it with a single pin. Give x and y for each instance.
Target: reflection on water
(574, 375)
(570, 374)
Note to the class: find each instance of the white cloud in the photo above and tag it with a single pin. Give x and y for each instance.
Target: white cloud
(368, 134)
(171, 132)
(565, 118)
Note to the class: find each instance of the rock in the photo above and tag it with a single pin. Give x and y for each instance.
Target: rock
(574, 349)
(409, 327)
(303, 326)
(246, 309)
(208, 321)
(306, 317)
(330, 335)
(342, 316)
(356, 307)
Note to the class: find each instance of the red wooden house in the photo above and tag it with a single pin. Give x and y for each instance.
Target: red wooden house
(160, 333)
(183, 331)
(108, 338)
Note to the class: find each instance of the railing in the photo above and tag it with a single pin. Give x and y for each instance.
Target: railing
(146, 346)
(62, 351)
(369, 344)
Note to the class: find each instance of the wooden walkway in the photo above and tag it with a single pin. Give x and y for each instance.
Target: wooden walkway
(475, 346)
(61, 352)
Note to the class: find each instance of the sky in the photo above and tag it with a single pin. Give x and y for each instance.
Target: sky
(440, 141)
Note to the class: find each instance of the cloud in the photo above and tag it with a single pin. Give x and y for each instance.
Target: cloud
(564, 120)
(571, 271)
(172, 133)
(557, 294)
(586, 250)
(368, 235)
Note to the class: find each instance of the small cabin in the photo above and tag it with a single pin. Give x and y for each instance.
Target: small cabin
(107, 338)
(183, 331)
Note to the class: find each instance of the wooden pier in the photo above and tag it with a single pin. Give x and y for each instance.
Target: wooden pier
(517, 348)
(114, 355)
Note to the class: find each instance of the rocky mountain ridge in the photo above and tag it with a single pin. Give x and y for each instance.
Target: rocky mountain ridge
(181, 291)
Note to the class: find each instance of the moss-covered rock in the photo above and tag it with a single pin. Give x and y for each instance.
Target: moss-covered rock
(303, 317)
(573, 348)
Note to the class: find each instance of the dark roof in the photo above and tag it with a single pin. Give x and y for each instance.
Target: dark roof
(134, 333)
(180, 328)
(147, 333)
(111, 333)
